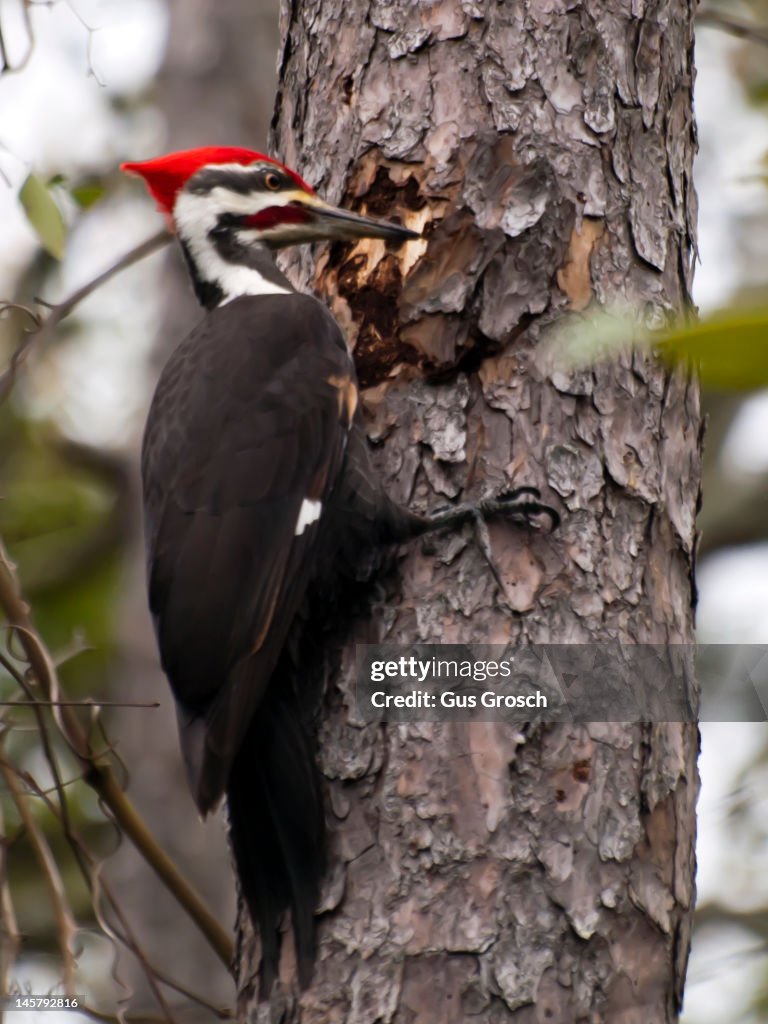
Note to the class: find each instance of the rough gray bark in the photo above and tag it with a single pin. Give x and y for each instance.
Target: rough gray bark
(481, 871)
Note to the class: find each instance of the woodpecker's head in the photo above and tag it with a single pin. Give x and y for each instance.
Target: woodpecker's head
(228, 206)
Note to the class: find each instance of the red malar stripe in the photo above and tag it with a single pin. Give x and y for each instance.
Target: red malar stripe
(275, 217)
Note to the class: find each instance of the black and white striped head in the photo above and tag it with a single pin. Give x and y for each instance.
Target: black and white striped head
(230, 206)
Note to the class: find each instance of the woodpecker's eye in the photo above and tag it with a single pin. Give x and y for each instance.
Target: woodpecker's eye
(272, 181)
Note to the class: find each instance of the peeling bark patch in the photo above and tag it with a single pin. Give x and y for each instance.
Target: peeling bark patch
(384, 195)
(488, 761)
(367, 279)
(503, 194)
(458, 254)
(575, 278)
(650, 201)
(439, 418)
(651, 886)
(648, 66)
(518, 970)
(520, 571)
(372, 300)
(575, 472)
(518, 281)
(439, 340)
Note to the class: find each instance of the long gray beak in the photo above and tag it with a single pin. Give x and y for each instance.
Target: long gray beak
(334, 223)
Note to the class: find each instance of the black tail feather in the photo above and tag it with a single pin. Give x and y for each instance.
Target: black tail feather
(277, 830)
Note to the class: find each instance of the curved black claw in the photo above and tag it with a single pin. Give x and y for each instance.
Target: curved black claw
(521, 505)
(517, 492)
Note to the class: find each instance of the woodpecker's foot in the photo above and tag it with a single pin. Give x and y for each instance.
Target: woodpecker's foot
(521, 505)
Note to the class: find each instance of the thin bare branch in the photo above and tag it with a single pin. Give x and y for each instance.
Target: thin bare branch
(134, 827)
(7, 65)
(45, 326)
(127, 1018)
(89, 703)
(98, 772)
(45, 741)
(122, 934)
(10, 940)
(20, 308)
(101, 892)
(66, 926)
(139, 252)
(220, 1013)
(91, 872)
(734, 26)
(97, 886)
(719, 915)
(90, 32)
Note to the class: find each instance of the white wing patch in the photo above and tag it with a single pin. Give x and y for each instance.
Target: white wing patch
(308, 513)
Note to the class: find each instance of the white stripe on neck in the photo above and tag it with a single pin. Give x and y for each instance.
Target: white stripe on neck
(195, 216)
(233, 280)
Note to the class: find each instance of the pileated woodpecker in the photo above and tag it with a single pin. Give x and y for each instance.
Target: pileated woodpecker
(257, 486)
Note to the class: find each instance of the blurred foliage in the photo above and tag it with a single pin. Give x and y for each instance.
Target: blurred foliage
(751, 61)
(39, 201)
(64, 520)
(88, 193)
(728, 349)
(67, 513)
(733, 347)
(63, 517)
(44, 215)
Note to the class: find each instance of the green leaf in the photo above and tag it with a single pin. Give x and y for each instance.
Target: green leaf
(729, 349)
(87, 194)
(44, 215)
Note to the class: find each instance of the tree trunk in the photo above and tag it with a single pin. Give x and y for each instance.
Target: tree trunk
(482, 871)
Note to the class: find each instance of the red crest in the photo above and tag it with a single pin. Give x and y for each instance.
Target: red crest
(166, 175)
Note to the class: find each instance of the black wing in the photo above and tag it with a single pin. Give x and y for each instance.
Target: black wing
(248, 424)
